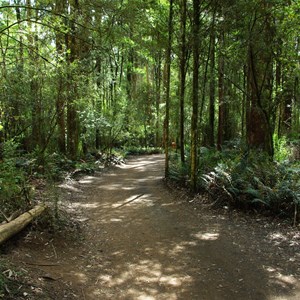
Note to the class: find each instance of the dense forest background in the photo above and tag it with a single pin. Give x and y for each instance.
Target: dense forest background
(214, 83)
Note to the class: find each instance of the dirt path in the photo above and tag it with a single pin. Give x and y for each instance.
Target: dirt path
(142, 242)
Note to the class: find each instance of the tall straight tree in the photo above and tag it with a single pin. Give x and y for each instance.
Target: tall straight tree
(223, 125)
(195, 94)
(167, 88)
(211, 119)
(182, 73)
(157, 76)
(60, 7)
(260, 76)
(36, 113)
(72, 116)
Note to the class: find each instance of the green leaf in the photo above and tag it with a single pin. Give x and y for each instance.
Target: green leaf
(257, 200)
(252, 192)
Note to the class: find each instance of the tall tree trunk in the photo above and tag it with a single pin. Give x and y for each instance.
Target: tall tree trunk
(195, 94)
(223, 125)
(285, 100)
(167, 88)
(157, 76)
(21, 51)
(211, 119)
(98, 106)
(129, 84)
(260, 64)
(36, 117)
(296, 108)
(182, 74)
(60, 7)
(16, 104)
(244, 105)
(72, 117)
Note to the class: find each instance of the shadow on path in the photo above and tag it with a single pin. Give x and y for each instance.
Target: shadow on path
(144, 244)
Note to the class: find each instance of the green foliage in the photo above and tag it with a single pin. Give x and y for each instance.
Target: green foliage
(11, 277)
(104, 89)
(14, 191)
(247, 180)
(282, 150)
(141, 150)
(91, 122)
(178, 172)
(254, 182)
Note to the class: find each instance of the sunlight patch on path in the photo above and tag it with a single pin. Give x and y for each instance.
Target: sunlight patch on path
(147, 279)
(207, 236)
(134, 200)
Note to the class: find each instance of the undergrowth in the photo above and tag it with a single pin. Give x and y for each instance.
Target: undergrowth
(10, 281)
(14, 190)
(141, 151)
(248, 180)
(21, 174)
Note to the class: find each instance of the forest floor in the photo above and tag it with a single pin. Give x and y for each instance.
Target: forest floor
(140, 239)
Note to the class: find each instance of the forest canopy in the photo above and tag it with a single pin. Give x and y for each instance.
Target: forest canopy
(213, 83)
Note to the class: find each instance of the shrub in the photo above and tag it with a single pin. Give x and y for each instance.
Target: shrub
(282, 151)
(178, 172)
(255, 182)
(248, 180)
(142, 150)
(14, 191)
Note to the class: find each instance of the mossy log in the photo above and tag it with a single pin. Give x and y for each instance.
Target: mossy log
(10, 229)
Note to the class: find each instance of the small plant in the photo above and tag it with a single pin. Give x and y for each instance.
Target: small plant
(179, 172)
(282, 150)
(2, 284)
(9, 277)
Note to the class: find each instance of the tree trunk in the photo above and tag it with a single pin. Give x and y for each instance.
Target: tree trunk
(260, 64)
(72, 118)
(60, 7)
(167, 89)
(15, 226)
(211, 119)
(36, 112)
(182, 75)
(195, 94)
(224, 124)
(158, 99)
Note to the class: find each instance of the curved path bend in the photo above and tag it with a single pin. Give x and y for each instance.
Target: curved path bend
(143, 242)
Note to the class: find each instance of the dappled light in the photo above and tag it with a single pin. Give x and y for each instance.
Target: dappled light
(81, 277)
(151, 148)
(85, 205)
(174, 261)
(142, 242)
(207, 236)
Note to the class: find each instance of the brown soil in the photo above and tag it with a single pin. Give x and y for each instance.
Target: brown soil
(143, 240)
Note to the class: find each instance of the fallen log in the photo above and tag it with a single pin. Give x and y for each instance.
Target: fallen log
(11, 217)
(10, 229)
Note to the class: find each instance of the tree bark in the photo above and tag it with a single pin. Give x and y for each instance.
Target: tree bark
(15, 226)
(211, 119)
(37, 134)
(260, 64)
(72, 117)
(157, 75)
(223, 120)
(182, 72)
(195, 95)
(167, 88)
(60, 7)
